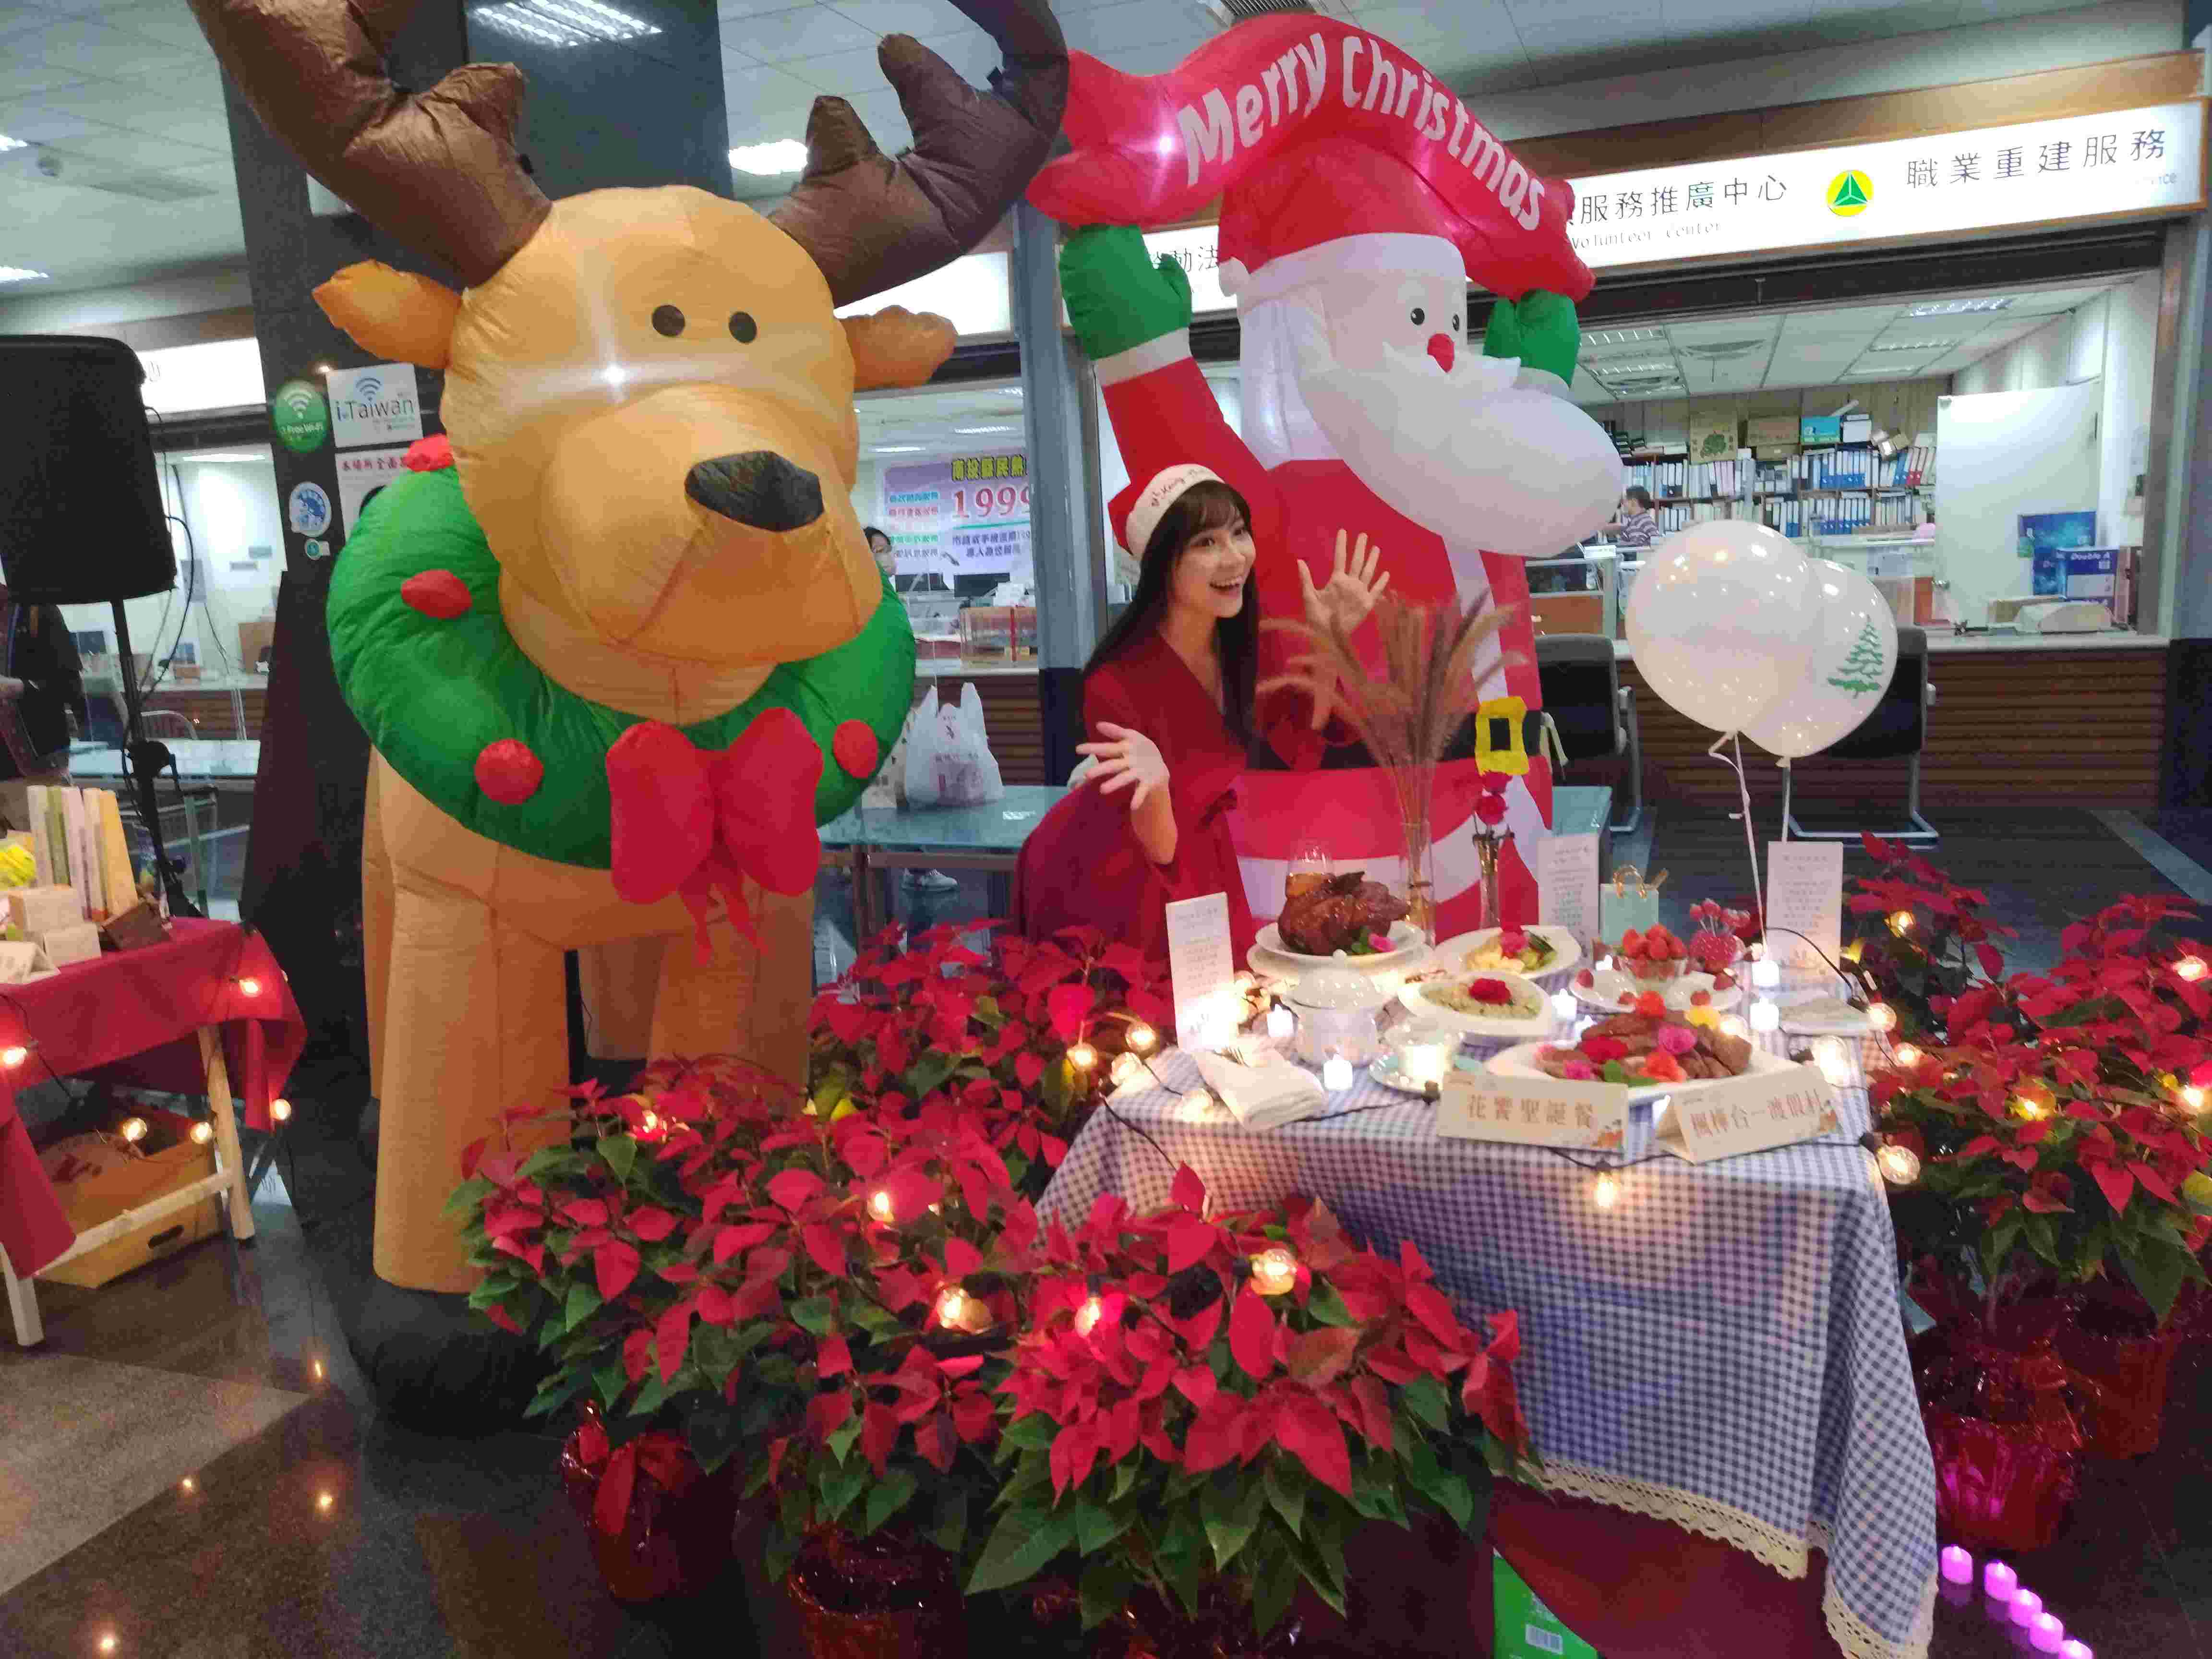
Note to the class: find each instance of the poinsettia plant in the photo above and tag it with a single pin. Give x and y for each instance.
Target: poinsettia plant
(989, 1030)
(1206, 1405)
(1917, 936)
(2058, 1116)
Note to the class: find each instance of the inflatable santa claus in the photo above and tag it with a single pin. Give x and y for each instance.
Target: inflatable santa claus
(1357, 198)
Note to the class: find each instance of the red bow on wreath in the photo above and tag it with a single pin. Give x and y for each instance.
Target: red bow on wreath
(692, 821)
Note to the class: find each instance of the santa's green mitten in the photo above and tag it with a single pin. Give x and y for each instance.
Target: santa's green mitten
(1542, 331)
(1117, 297)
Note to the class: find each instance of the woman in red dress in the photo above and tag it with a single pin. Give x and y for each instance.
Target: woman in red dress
(1168, 697)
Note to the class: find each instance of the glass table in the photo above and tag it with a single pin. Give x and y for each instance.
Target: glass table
(868, 840)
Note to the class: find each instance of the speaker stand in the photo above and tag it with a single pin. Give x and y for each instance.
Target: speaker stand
(142, 765)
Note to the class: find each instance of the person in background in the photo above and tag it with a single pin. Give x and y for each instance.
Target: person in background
(1635, 524)
(1169, 697)
(41, 690)
(880, 547)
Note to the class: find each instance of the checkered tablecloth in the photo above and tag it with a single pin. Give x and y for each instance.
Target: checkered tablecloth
(1721, 1349)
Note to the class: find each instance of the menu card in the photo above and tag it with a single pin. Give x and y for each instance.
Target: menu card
(1202, 966)
(1804, 896)
(1535, 1111)
(1566, 885)
(1748, 1114)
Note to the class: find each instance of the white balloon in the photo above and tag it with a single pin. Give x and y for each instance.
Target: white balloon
(1719, 619)
(1852, 659)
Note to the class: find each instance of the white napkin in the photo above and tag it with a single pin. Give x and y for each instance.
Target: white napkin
(1265, 1094)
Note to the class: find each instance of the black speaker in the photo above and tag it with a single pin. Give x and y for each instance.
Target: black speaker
(81, 520)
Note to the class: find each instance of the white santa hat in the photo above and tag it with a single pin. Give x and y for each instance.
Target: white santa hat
(1139, 513)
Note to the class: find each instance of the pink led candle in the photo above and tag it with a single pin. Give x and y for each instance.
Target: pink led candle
(2025, 1607)
(1999, 1581)
(1958, 1566)
(2070, 1648)
(2045, 1633)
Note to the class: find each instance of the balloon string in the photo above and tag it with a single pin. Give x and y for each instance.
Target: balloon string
(1734, 763)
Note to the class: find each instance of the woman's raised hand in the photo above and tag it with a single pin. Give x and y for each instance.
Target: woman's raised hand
(1131, 758)
(1342, 602)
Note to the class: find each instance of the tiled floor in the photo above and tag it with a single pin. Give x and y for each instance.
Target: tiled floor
(332, 1532)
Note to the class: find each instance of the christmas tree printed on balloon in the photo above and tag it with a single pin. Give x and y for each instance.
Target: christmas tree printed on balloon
(1866, 669)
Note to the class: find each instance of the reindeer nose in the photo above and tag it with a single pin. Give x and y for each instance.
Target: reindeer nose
(1443, 349)
(758, 489)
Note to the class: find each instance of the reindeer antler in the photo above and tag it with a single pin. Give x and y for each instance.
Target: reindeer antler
(873, 221)
(437, 169)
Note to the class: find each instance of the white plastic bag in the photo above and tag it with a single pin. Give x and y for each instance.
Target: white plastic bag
(948, 758)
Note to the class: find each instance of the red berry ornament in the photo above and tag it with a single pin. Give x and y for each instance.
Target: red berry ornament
(438, 593)
(510, 772)
(856, 748)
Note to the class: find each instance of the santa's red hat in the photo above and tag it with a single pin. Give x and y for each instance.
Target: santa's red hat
(1330, 208)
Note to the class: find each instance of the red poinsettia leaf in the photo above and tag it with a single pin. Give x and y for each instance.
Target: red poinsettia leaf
(1188, 1240)
(1430, 1306)
(670, 1336)
(1318, 1358)
(865, 1154)
(826, 1413)
(832, 1358)
(825, 1246)
(1310, 1430)
(1374, 1403)
(1067, 1007)
(2153, 1181)
(1252, 1333)
(1028, 1067)
(2021, 1158)
(616, 1265)
(651, 1224)
(1213, 1437)
(1188, 1192)
(1991, 959)
(2116, 1183)
(471, 1155)
(637, 1353)
(715, 1305)
(962, 1258)
(1195, 1383)
(793, 1187)
(1053, 1149)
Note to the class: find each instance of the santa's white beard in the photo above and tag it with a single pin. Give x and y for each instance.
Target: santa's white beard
(1468, 454)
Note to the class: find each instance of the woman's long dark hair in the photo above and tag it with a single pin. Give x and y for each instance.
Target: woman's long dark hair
(1207, 505)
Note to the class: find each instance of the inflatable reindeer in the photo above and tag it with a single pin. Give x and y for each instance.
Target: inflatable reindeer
(622, 647)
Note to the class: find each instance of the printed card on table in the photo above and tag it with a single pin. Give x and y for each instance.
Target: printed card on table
(1566, 885)
(1535, 1111)
(1202, 964)
(1748, 1115)
(1805, 902)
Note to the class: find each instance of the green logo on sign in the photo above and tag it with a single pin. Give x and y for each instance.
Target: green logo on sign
(303, 419)
(1867, 669)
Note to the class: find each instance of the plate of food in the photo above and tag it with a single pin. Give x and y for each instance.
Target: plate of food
(1654, 959)
(1663, 1056)
(1510, 951)
(1323, 915)
(1825, 1017)
(1611, 990)
(1480, 1005)
(1389, 1070)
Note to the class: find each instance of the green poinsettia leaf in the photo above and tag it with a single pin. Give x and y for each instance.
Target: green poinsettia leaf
(1424, 1397)
(814, 1313)
(619, 1153)
(887, 1498)
(582, 1303)
(1097, 1526)
(949, 1530)
(1286, 1481)
(1020, 1546)
(1105, 1587)
(1231, 1507)
(1327, 1306)
(1274, 1584)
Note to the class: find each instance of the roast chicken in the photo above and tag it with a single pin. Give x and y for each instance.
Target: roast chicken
(1322, 914)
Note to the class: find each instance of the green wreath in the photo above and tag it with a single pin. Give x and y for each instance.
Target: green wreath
(434, 692)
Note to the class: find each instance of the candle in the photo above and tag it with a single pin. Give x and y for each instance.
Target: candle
(1280, 1022)
(1423, 1063)
(1958, 1565)
(1766, 973)
(2070, 1648)
(1999, 1581)
(1563, 1004)
(2026, 1605)
(1765, 1016)
(2045, 1633)
(1336, 1074)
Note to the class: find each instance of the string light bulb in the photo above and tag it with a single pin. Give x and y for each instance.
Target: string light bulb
(1087, 1316)
(1082, 1056)
(107, 1642)
(2030, 1109)
(1907, 1056)
(323, 1502)
(1900, 922)
(1766, 1016)
(1281, 1022)
(1881, 1017)
(1142, 1038)
(1900, 1165)
(1834, 1063)
(1854, 950)
(318, 1370)
(1732, 1026)
(250, 986)
(2192, 968)
(648, 1121)
(1125, 1066)
(957, 1311)
(280, 1110)
(188, 1485)
(203, 1132)
(1274, 1270)
(879, 1205)
(132, 1129)
(1605, 1191)
(2192, 1097)
(13, 1055)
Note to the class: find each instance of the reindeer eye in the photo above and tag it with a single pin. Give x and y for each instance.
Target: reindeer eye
(1454, 324)
(1419, 316)
(667, 319)
(742, 327)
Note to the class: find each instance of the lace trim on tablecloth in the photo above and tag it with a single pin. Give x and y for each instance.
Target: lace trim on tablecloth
(1723, 1522)
(1767, 1544)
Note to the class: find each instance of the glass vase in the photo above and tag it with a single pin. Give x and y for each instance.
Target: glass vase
(1416, 788)
(1487, 911)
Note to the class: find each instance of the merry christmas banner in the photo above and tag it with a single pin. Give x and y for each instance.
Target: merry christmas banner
(960, 515)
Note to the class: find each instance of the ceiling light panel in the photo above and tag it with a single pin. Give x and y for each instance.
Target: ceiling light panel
(785, 155)
(18, 274)
(1917, 347)
(564, 22)
(1963, 308)
(1599, 338)
(1659, 368)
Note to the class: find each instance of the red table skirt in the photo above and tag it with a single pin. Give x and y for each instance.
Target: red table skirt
(134, 1017)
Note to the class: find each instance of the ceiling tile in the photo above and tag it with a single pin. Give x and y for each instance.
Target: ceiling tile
(136, 149)
(1156, 60)
(920, 18)
(752, 91)
(842, 72)
(1113, 29)
(777, 37)
(88, 48)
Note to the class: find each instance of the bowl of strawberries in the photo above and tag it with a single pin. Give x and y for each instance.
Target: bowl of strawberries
(1654, 957)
